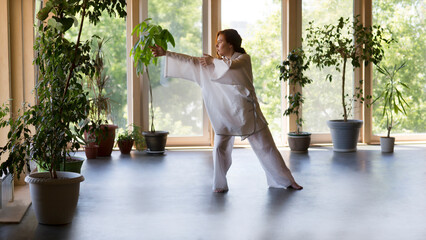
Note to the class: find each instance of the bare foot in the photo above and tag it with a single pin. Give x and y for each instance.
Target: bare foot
(220, 190)
(295, 186)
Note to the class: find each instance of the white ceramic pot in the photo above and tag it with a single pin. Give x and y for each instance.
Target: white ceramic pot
(54, 200)
(387, 144)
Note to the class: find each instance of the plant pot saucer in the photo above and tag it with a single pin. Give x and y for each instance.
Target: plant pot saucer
(299, 134)
(155, 152)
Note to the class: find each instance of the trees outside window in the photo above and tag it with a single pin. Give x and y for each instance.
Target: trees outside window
(407, 21)
(323, 99)
(178, 103)
(113, 30)
(259, 25)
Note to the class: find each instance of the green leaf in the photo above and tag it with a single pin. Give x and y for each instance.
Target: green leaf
(44, 12)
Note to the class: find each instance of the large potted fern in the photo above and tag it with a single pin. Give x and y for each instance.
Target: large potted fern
(336, 45)
(48, 131)
(150, 35)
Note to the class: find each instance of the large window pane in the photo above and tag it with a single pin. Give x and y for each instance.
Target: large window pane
(113, 30)
(259, 24)
(406, 20)
(178, 103)
(323, 99)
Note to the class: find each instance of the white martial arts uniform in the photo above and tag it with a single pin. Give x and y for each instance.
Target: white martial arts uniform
(231, 103)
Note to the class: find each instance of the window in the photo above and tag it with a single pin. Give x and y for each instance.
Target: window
(406, 20)
(178, 103)
(113, 31)
(259, 24)
(323, 99)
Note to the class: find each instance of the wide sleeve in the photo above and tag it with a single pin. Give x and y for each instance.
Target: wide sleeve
(182, 66)
(232, 71)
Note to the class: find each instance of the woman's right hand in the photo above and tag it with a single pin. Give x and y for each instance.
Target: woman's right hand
(157, 51)
(206, 60)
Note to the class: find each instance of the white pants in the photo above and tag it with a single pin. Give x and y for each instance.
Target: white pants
(277, 173)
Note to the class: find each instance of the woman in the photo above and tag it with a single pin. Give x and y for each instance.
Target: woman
(228, 92)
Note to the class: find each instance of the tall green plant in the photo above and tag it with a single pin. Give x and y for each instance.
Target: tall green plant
(292, 70)
(393, 100)
(335, 45)
(100, 103)
(43, 131)
(149, 35)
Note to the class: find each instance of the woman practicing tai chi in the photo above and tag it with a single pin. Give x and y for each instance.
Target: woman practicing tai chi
(228, 92)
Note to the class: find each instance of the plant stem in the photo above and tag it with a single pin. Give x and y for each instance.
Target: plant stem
(76, 50)
(73, 65)
(345, 114)
(150, 99)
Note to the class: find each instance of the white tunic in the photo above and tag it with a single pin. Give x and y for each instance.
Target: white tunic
(227, 89)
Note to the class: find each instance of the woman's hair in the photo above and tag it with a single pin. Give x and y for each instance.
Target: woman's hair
(232, 37)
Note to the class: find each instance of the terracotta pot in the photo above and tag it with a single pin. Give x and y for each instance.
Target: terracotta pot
(125, 146)
(54, 200)
(105, 139)
(299, 142)
(91, 151)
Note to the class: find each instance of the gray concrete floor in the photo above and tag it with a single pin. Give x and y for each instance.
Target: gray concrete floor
(360, 195)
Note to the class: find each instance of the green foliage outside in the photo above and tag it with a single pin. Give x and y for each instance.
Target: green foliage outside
(264, 47)
(113, 29)
(406, 20)
(150, 35)
(48, 131)
(178, 105)
(178, 112)
(323, 99)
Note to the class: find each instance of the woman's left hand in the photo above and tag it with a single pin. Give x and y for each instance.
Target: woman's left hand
(206, 60)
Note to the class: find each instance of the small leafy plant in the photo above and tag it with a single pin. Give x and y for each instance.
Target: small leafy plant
(149, 35)
(140, 142)
(292, 70)
(125, 135)
(393, 101)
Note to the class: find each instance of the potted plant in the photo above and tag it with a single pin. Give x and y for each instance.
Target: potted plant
(71, 164)
(292, 70)
(48, 131)
(336, 45)
(393, 103)
(125, 141)
(101, 134)
(150, 35)
(140, 142)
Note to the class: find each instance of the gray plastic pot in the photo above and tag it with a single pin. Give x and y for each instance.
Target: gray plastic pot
(344, 134)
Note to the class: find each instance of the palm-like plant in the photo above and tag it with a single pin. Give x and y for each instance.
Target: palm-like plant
(393, 101)
(100, 104)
